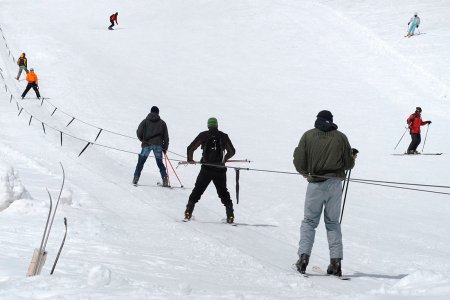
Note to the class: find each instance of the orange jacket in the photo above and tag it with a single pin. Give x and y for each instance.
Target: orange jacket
(32, 77)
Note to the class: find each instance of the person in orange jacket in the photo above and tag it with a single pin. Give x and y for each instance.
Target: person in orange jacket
(113, 18)
(414, 122)
(32, 83)
(22, 63)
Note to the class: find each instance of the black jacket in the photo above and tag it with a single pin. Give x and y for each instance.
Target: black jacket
(153, 131)
(203, 137)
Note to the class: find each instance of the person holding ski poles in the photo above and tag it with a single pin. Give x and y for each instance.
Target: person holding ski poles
(22, 63)
(32, 83)
(322, 157)
(413, 23)
(414, 122)
(153, 134)
(112, 19)
(214, 143)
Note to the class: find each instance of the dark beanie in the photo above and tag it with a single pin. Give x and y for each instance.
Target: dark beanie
(326, 115)
(155, 110)
(212, 123)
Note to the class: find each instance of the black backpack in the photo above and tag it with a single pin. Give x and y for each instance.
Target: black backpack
(213, 149)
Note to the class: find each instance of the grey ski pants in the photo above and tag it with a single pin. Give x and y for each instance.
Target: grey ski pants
(324, 195)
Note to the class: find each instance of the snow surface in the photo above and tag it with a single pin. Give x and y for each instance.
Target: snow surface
(264, 69)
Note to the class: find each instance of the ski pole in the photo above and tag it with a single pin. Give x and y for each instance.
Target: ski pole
(60, 248)
(425, 138)
(167, 170)
(184, 162)
(401, 138)
(173, 170)
(345, 195)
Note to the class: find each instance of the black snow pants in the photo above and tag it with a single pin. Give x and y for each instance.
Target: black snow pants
(35, 88)
(415, 142)
(219, 177)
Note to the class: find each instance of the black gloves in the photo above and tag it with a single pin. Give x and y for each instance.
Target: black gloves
(429, 122)
(355, 151)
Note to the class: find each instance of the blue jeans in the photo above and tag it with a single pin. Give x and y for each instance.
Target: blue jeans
(157, 150)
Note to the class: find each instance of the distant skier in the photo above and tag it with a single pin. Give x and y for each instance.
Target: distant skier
(32, 83)
(112, 19)
(322, 157)
(153, 134)
(414, 122)
(214, 143)
(22, 63)
(413, 23)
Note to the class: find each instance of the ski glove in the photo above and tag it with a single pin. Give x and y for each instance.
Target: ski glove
(429, 122)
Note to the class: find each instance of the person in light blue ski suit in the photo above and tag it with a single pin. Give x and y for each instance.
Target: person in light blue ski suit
(413, 23)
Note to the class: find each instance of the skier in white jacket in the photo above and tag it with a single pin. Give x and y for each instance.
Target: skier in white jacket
(413, 23)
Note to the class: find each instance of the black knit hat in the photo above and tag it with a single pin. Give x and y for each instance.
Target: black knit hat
(155, 110)
(326, 115)
(419, 109)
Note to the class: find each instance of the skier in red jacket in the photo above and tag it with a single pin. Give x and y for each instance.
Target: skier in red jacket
(414, 122)
(113, 18)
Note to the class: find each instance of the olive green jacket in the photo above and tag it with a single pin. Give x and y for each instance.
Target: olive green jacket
(323, 153)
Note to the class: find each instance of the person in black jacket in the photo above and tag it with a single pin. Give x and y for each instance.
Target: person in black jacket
(214, 143)
(153, 134)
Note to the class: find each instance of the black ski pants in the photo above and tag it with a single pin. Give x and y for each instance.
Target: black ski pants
(35, 88)
(219, 178)
(111, 26)
(415, 142)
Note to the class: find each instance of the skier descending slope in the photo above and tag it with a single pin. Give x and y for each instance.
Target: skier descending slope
(322, 157)
(113, 18)
(413, 23)
(214, 143)
(153, 134)
(414, 122)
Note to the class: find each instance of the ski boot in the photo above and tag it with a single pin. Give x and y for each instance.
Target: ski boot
(135, 180)
(188, 212)
(302, 263)
(230, 219)
(187, 215)
(230, 214)
(165, 182)
(335, 267)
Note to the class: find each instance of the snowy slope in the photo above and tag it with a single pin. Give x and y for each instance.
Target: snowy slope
(264, 69)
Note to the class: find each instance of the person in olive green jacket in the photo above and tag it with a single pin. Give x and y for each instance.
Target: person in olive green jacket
(322, 157)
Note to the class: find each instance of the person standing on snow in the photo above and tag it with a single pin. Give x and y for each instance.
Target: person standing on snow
(322, 157)
(414, 122)
(32, 83)
(214, 143)
(113, 18)
(153, 134)
(22, 63)
(413, 23)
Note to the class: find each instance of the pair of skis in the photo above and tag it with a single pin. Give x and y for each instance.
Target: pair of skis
(40, 254)
(401, 154)
(318, 271)
(223, 221)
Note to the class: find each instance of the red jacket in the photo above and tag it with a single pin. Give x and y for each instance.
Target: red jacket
(113, 18)
(415, 121)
